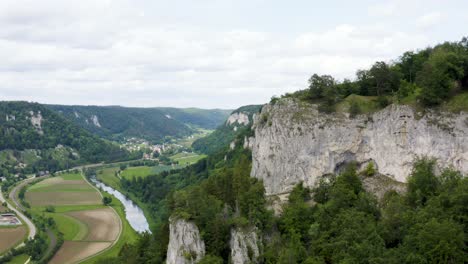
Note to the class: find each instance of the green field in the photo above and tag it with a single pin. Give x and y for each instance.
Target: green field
(21, 259)
(187, 158)
(72, 229)
(140, 171)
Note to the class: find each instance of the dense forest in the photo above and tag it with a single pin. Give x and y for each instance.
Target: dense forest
(153, 124)
(427, 78)
(43, 140)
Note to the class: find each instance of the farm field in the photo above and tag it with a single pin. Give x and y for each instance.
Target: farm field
(108, 176)
(187, 158)
(69, 189)
(75, 251)
(76, 207)
(11, 236)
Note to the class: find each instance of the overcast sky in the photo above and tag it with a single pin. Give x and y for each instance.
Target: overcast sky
(203, 53)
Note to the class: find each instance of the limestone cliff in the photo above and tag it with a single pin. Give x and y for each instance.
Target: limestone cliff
(294, 142)
(244, 246)
(185, 245)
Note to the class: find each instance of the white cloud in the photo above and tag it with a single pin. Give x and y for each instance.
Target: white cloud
(106, 52)
(429, 20)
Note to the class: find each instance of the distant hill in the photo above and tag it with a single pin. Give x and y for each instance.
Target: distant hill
(116, 122)
(238, 122)
(33, 137)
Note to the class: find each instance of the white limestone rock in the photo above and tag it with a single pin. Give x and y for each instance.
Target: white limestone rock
(294, 142)
(36, 121)
(95, 120)
(185, 244)
(244, 246)
(239, 118)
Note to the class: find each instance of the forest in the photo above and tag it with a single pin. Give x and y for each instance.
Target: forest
(53, 143)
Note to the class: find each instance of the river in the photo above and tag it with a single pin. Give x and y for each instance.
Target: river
(133, 213)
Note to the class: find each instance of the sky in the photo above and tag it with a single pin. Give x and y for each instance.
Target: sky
(204, 53)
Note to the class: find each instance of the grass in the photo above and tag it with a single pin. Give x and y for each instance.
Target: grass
(71, 228)
(71, 176)
(367, 104)
(20, 259)
(107, 176)
(457, 103)
(187, 158)
(140, 171)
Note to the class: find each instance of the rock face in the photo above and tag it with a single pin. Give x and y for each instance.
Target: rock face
(36, 121)
(185, 245)
(244, 246)
(294, 142)
(239, 118)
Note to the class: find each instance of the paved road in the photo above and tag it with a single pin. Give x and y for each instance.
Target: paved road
(14, 198)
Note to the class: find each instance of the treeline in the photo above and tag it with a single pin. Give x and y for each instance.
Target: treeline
(428, 76)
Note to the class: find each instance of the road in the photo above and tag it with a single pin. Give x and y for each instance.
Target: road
(14, 198)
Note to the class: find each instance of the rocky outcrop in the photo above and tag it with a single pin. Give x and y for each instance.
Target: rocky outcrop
(294, 142)
(95, 120)
(240, 118)
(244, 246)
(185, 245)
(36, 121)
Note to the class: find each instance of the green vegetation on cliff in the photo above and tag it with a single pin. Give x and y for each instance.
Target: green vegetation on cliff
(427, 78)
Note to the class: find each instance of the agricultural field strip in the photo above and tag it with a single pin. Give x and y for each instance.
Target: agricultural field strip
(66, 211)
(11, 237)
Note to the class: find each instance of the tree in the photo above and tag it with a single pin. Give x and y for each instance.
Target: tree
(384, 78)
(106, 200)
(435, 241)
(50, 209)
(422, 183)
(438, 75)
(321, 86)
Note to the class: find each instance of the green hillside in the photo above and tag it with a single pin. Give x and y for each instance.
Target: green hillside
(225, 133)
(117, 123)
(33, 138)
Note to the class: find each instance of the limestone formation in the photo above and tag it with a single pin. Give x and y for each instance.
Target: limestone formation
(185, 244)
(294, 142)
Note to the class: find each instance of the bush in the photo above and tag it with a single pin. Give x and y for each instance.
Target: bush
(370, 170)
